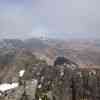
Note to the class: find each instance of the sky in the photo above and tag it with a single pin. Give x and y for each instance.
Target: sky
(15, 18)
(66, 18)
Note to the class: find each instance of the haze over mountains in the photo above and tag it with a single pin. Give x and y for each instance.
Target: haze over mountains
(72, 35)
(82, 51)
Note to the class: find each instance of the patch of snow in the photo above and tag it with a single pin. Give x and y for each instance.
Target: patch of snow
(40, 86)
(40, 99)
(34, 81)
(0, 94)
(73, 67)
(61, 73)
(21, 73)
(92, 72)
(4, 87)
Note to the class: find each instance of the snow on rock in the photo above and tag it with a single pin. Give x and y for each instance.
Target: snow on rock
(40, 99)
(62, 73)
(34, 81)
(40, 86)
(0, 94)
(6, 86)
(21, 73)
(92, 72)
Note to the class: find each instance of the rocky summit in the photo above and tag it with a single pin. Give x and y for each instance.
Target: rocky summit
(29, 78)
(26, 77)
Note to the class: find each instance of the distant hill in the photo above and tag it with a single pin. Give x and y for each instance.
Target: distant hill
(33, 43)
(97, 43)
(82, 51)
(11, 43)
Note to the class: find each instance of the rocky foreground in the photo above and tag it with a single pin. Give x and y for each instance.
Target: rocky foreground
(29, 78)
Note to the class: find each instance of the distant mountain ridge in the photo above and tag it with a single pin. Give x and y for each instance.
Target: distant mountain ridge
(82, 51)
(17, 43)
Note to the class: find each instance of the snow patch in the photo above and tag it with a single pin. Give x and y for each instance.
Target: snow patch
(21, 73)
(4, 87)
(40, 86)
(34, 81)
(92, 72)
(40, 99)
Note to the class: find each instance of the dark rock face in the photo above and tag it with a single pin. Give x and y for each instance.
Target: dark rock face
(63, 60)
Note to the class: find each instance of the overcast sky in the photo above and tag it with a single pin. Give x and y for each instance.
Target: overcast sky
(79, 18)
(15, 18)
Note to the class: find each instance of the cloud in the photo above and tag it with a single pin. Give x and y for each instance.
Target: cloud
(65, 16)
(15, 20)
(78, 17)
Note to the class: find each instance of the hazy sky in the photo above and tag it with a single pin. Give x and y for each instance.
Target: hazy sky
(15, 18)
(79, 18)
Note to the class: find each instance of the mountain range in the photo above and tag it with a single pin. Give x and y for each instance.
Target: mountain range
(83, 51)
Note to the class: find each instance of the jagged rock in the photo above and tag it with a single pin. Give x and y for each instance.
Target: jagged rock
(52, 82)
(30, 88)
(15, 94)
(26, 90)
